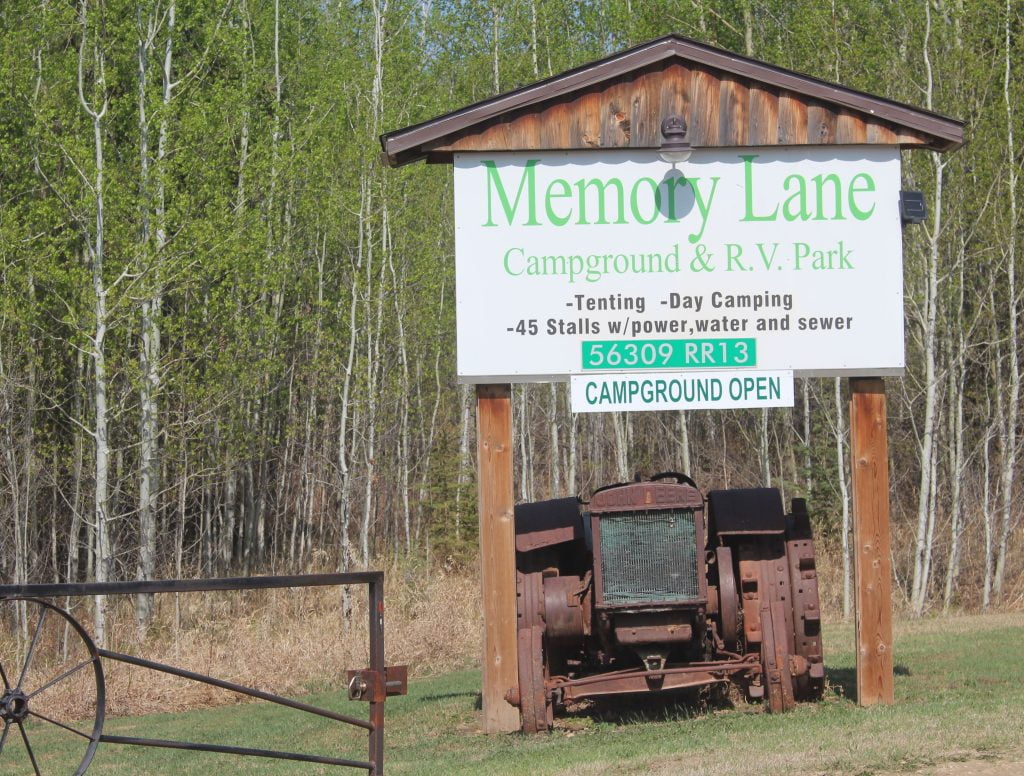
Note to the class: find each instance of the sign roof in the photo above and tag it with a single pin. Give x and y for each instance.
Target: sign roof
(618, 102)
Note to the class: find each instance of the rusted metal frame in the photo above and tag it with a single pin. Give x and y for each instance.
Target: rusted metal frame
(641, 629)
(364, 683)
(375, 726)
(728, 667)
(614, 683)
(546, 523)
(666, 606)
(750, 585)
(633, 685)
(191, 746)
(238, 688)
(595, 532)
(376, 616)
(188, 585)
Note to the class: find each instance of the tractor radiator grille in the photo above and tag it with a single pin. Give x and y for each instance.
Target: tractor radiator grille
(649, 557)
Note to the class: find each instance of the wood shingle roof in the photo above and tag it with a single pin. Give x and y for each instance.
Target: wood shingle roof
(619, 102)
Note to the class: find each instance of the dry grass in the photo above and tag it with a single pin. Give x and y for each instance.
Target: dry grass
(284, 641)
(296, 641)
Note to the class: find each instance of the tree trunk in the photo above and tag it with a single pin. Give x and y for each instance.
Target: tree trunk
(684, 442)
(101, 496)
(621, 445)
(1008, 434)
(149, 354)
(465, 462)
(554, 476)
(929, 335)
(764, 450)
(570, 469)
(844, 495)
(955, 424)
(987, 514)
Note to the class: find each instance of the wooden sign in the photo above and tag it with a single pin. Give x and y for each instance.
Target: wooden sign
(728, 102)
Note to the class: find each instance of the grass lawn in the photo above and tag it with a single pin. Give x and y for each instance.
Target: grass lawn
(959, 695)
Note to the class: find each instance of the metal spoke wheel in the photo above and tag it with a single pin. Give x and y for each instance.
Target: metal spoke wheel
(53, 690)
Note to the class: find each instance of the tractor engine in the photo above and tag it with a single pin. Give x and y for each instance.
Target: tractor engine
(649, 588)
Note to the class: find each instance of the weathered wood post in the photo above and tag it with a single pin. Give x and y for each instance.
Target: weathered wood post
(823, 233)
(869, 454)
(497, 554)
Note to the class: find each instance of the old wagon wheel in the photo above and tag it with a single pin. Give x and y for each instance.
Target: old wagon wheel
(29, 680)
(535, 707)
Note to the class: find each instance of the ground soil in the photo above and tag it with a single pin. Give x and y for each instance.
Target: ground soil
(975, 768)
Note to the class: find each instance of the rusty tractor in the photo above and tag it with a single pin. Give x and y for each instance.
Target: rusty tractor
(648, 588)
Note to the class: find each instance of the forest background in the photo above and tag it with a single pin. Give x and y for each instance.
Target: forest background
(227, 329)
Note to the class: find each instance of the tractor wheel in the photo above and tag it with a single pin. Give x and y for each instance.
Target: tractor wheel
(728, 599)
(775, 662)
(535, 706)
(806, 614)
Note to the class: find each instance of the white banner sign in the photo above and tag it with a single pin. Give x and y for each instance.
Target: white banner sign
(681, 391)
(768, 258)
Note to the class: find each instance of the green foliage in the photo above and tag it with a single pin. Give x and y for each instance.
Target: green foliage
(305, 293)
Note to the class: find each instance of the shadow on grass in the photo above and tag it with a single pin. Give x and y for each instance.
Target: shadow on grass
(441, 696)
(844, 680)
(661, 707)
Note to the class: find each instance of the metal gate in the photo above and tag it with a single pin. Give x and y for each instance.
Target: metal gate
(373, 684)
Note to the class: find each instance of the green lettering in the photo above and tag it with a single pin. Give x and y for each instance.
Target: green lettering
(702, 206)
(819, 191)
(795, 207)
(869, 185)
(507, 265)
(601, 188)
(634, 203)
(494, 184)
(550, 194)
(748, 175)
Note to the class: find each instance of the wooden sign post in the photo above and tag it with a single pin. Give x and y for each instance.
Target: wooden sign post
(497, 555)
(869, 453)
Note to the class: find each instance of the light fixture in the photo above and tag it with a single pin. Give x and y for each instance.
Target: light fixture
(913, 208)
(674, 147)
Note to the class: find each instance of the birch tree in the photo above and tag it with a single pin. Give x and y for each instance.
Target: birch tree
(1008, 433)
(95, 105)
(928, 323)
(149, 352)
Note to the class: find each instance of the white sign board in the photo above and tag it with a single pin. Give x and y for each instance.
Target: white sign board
(768, 258)
(699, 390)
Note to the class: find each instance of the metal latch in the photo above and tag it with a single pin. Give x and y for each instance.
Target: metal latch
(366, 685)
